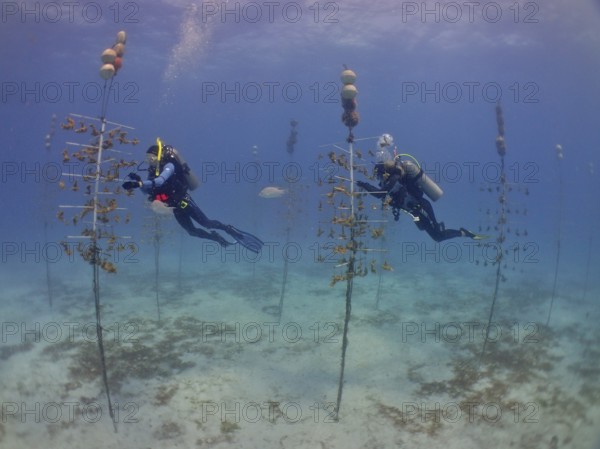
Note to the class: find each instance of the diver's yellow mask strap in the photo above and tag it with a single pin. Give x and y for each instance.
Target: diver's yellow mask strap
(159, 143)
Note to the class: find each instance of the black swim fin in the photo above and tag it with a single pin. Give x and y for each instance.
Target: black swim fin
(245, 239)
(467, 233)
(215, 236)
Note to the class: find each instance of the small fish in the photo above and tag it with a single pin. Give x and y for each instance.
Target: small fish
(386, 266)
(272, 192)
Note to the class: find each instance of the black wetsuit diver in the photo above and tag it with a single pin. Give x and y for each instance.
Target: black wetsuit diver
(169, 183)
(399, 188)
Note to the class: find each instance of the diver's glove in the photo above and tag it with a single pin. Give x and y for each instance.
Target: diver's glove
(375, 191)
(134, 184)
(363, 185)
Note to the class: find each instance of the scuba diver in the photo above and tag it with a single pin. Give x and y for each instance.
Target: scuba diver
(402, 185)
(169, 179)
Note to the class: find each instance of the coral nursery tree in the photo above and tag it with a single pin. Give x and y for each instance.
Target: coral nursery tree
(508, 221)
(349, 225)
(101, 157)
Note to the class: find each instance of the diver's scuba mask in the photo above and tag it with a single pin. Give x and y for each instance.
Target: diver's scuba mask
(154, 155)
(152, 159)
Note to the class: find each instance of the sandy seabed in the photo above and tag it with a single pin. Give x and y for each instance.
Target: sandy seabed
(220, 370)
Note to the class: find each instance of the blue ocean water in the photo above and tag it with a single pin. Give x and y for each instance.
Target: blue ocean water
(221, 81)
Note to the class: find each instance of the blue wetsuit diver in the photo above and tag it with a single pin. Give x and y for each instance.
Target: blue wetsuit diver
(169, 179)
(401, 186)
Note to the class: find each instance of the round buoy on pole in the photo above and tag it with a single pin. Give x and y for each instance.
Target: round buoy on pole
(121, 37)
(107, 71)
(349, 91)
(112, 58)
(348, 77)
(108, 56)
(350, 117)
(119, 49)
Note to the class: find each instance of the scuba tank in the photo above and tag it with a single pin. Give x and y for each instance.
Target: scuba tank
(415, 174)
(188, 174)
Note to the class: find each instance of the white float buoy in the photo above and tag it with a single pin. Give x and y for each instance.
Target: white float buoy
(121, 37)
(119, 49)
(107, 71)
(349, 91)
(348, 77)
(108, 56)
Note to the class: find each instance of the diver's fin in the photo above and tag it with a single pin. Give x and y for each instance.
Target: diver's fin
(474, 236)
(215, 236)
(245, 239)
